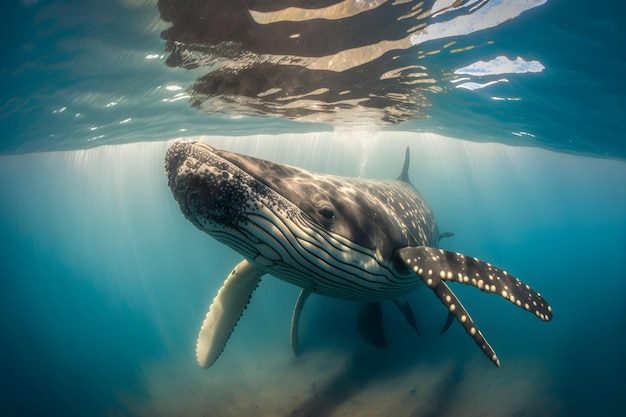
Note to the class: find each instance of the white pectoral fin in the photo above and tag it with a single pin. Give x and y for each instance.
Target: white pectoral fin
(225, 311)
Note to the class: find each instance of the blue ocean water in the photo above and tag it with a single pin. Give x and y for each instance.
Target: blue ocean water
(104, 284)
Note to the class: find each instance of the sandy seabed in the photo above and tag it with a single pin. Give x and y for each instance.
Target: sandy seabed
(336, 383)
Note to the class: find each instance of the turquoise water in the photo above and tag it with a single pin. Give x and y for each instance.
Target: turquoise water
(104, 284)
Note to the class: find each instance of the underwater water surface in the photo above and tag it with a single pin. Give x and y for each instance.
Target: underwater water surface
(104, 284)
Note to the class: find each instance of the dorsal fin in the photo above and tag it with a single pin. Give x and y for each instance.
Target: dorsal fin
(404, 175)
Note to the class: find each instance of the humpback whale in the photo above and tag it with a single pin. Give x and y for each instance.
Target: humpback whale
(351, 238)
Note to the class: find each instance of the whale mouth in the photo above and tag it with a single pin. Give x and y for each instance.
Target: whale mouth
(210, 190)
(181, 158)
(177, 159)
(174, 157)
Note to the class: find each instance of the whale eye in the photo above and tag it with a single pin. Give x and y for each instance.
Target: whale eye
(326, 211)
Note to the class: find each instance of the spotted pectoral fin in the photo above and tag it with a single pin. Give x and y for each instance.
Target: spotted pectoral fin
(449, 299)
(225, 311)
(295, 319)
(435, 266)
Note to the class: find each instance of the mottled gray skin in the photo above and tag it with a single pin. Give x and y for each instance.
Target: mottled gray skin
(357, 239)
